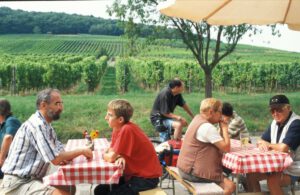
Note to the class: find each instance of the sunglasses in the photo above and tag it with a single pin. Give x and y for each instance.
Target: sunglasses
(278, 110)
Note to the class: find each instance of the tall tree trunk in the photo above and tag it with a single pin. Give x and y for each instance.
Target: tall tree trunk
(208, 83)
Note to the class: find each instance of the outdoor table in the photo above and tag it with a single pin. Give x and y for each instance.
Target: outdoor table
(252, 160)
(82, 170)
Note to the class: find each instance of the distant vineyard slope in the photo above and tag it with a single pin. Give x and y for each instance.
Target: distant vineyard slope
(61, 44)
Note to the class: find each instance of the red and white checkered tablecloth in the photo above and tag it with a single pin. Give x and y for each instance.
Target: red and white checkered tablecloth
(81, 170)
(253, 160)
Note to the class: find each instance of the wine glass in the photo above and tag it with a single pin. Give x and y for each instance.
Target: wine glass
(244, 138)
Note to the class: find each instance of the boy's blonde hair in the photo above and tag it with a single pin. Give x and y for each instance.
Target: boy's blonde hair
(122, 108)
(210, 103)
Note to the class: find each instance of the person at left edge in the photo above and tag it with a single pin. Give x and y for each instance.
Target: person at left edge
(8, 128)
(34, 147)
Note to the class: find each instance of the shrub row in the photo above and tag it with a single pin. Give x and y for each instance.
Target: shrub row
(239, 76)
(25, 73)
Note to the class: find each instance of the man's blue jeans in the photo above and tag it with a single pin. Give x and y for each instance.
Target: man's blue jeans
(165, 136)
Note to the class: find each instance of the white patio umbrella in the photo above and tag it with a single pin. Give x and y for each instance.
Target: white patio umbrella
(232, 12)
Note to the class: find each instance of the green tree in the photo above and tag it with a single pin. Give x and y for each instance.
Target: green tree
(198, 37)
(131, 33)
(37, 30)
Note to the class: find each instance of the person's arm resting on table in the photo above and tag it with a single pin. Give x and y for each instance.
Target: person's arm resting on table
(111, 156)
(288, 142)
(265, 146)
(69, 155)
(282, 147)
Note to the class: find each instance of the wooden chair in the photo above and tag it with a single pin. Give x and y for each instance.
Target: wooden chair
(193, 187)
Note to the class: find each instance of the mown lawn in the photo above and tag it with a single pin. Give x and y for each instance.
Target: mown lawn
(88, 111)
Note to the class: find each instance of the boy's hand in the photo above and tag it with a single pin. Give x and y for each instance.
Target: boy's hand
(120, 162)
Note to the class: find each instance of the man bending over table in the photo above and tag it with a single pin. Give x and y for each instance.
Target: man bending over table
(282, 135)
(132, 149)
(36, 145)
(200, 158)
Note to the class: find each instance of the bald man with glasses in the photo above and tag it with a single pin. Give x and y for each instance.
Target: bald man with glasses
(283, 134)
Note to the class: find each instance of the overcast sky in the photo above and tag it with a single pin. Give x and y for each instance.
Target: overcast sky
(290, 40)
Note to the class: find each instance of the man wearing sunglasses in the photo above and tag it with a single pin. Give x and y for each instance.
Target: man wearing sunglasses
(282, 135)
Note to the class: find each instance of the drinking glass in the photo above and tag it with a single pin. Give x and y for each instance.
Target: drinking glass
(244, 138)
(254, 141)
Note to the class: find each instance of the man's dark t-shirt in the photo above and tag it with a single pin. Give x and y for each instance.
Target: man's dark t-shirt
(165, 103)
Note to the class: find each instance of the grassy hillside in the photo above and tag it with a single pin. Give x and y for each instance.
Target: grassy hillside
(88, 111)
(60, 44)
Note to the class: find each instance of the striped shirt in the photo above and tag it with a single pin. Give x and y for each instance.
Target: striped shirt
(236, 126)
(32, 149)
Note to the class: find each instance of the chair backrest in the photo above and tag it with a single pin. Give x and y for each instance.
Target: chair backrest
(195, 188)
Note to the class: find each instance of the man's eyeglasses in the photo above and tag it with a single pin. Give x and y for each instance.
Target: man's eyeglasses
(278, 110)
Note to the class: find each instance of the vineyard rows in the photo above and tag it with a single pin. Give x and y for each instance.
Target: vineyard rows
(65, 71)
(116, 46)
(242, 77)
(25, 73)
(32, 62)
(112, 47)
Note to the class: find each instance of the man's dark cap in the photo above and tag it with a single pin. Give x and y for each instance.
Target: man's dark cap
(278, 100)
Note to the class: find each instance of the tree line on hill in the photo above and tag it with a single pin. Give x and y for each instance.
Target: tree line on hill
(23, 22)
